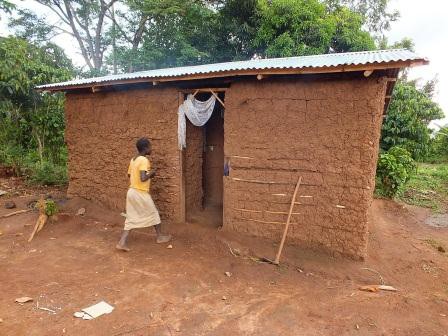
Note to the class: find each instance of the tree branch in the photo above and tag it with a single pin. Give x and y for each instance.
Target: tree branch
(123, 33)
(77, 35)
(61, 14)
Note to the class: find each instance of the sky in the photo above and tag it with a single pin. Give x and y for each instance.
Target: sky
(425, 22)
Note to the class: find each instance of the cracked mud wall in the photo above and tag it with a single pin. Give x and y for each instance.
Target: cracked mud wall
(101, 132)
(325, 130)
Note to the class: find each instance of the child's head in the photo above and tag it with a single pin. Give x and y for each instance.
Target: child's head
(143, 146)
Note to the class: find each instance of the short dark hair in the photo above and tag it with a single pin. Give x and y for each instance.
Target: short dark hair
(142, 144)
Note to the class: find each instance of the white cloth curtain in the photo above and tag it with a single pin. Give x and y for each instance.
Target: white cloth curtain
(198, 112)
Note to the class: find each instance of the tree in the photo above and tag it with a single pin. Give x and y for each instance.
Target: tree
(6, 6)
(236, 28)
(406, 124)
(293, 27)
(84, 20)
(305, 27)
(349, 34)
(171, 33)
(31, 120)
(440, 145)
(376, 13)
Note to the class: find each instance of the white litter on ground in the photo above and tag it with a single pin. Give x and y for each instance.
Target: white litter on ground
(94, 311)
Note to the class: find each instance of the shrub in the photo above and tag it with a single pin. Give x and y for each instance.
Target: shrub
(395, 167)
(49, 207)
(48, 173)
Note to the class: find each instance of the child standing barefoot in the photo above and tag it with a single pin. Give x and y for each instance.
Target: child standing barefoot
(140, 209)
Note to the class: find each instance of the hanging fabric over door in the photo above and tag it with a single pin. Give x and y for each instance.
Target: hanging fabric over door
(198, 112)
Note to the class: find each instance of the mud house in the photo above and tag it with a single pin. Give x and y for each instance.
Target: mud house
(275, 119)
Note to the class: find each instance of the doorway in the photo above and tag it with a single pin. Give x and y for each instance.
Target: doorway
(204, 167)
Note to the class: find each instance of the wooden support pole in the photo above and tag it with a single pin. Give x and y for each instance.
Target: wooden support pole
(182, 215)
(285, 232)
(216, 96)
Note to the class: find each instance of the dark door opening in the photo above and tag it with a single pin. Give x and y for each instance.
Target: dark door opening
(204, 167)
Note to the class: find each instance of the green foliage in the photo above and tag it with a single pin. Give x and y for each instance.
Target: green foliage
(51, 208)
(407, 120)
(376, 13)
(48, 173)
(428, 187)
(179, 33)
(6, 6)
(32, 131)
(293, 27)
(305, 27)
(439, 151)
(395, 168)
(48, 206)
(236, 29)
(188, 32)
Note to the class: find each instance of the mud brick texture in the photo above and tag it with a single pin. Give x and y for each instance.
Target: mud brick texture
(193, 159)
(101, 132)
(328, 132)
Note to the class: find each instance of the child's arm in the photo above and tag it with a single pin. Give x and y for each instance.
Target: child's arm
(146, 175)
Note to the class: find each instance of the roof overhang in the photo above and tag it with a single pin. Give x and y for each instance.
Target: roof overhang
(318, 64)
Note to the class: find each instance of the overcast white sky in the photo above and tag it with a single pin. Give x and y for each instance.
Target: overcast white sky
(425, 22)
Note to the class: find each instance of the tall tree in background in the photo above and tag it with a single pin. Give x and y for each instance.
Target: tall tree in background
(406, 124)
(31, 121)
(6, 6)
(168, 33)
(84, 20)
(376, 13)
(305, 27)
(143, 34)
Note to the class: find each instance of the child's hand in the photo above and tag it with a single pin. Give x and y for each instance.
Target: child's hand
(152, 173)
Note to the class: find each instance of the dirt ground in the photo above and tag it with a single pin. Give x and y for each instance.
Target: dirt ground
(72, 264)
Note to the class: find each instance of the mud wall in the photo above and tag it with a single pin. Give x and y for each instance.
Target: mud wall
(214, 159)
(325, 131)
(101, 132)
(193, 158)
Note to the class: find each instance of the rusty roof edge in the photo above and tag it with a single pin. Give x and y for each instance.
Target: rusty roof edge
(395, 58)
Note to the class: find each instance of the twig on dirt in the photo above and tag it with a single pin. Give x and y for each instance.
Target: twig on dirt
(112, 289)
(416, 247)
(15, 213)
(376, 272)
(231, 251)
(45, 309)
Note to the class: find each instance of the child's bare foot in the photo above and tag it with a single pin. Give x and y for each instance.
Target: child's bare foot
(163, 238)
(123, 248)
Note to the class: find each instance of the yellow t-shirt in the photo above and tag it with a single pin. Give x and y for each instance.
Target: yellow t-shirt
(135, 166)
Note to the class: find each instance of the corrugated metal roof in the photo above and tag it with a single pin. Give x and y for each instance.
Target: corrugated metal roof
(380, 57)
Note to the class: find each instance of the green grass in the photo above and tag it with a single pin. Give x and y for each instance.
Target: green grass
(428, 187)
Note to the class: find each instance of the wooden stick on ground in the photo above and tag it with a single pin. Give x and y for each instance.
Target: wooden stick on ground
(285, 232)
(15, 213)
(39, 225)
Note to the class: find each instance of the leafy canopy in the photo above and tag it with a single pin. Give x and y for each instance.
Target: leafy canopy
(406, 124)
(30, 120)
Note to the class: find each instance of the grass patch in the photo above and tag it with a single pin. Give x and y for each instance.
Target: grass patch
(428, 187)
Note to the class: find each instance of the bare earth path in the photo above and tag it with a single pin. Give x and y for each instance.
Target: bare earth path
(72, 264)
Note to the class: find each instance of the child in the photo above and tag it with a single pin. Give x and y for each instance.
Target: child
(140, 209)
